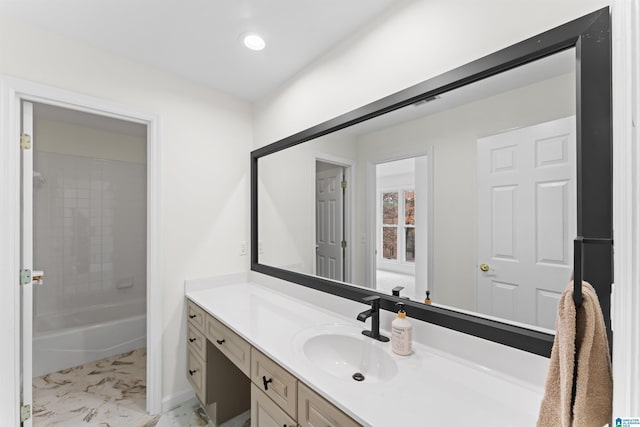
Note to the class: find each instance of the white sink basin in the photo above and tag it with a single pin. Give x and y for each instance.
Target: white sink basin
(343, 352)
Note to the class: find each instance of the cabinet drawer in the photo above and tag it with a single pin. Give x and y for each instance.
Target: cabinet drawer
(195, 315)
(229, 343)
(196, 373)
(196, 341)
(315, 411)
(274, 381)
(265, 413)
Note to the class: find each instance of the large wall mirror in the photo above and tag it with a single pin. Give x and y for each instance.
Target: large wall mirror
(472, 185)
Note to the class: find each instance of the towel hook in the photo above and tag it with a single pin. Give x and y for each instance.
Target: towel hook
(577, 270)
(578, 246)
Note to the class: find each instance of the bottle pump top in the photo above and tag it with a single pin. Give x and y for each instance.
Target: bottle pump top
(401, 313)
(428, 299)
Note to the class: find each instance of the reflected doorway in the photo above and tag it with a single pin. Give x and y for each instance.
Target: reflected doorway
(332, 226)
(526, 221)
(401, 218)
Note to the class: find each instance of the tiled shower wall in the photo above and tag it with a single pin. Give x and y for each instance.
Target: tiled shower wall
(89, 235)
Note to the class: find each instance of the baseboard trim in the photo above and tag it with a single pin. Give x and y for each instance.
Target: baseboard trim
(174, 400)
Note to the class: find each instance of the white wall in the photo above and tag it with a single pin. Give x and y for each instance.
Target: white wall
(419, 40)
(453, 135)
(56, 136)
(205, 140)
(286, 201)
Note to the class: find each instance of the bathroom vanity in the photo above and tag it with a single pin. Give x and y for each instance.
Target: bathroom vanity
(229, 375)
(292, 363)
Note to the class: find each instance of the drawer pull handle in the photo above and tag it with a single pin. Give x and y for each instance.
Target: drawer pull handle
(220, 341)
(191, 372)
(266, 382)
(192, 316)
(192, 339)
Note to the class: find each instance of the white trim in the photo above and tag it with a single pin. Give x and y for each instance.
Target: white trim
(625, 299)
(174, 400)
(154, 272)
(26, 263)
(9, 258)
(13, 92)
(349, 166)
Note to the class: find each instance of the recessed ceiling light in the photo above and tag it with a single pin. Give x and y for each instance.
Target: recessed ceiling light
(254, 42)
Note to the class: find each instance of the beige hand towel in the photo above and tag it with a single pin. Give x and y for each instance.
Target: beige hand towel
(594, 386)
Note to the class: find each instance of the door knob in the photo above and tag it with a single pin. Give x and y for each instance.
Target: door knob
(484, 267)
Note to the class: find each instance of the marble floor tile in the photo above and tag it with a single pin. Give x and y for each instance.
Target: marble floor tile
(110, 393)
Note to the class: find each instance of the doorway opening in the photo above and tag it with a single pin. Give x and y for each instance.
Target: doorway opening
(333, 209)
(401, 189)
(89, 238)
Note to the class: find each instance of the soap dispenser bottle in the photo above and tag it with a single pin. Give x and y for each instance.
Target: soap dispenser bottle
(401, 333)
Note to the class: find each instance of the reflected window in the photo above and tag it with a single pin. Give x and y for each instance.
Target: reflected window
(398, 238)
(410, 226)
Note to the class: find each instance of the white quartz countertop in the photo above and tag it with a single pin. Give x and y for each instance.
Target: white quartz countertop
(431, 388)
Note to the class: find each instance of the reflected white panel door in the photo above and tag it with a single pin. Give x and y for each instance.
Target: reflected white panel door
(26, 288)
(329, 223)
(526, 221)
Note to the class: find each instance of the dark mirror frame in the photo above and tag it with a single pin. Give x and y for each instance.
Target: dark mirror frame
(591, 37)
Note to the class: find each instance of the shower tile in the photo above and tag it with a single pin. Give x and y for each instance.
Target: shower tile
(71, 221)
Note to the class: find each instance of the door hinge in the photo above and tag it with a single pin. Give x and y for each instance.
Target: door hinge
(344, 244)
(25, 277)
(25, 412)
(343, 184)
(25, 141)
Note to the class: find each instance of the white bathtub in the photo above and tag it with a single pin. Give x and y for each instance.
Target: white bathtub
(87, 335)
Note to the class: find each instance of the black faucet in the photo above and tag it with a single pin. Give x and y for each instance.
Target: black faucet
(396, 291)
(374, 313)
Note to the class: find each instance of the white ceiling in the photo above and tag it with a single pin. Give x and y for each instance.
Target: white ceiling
(201, 39)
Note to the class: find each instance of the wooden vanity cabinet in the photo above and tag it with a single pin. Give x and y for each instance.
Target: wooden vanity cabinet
(275, 382)
(315, 411)
(237, 350)
(196, 345)
(265, 413)
(221, 386)
(230, 377)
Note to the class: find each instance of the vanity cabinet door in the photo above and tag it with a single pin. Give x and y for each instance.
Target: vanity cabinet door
(265, 413)
(315, 411)
(195, 315)
(229, 343)
(274, 381)
(196, 373)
